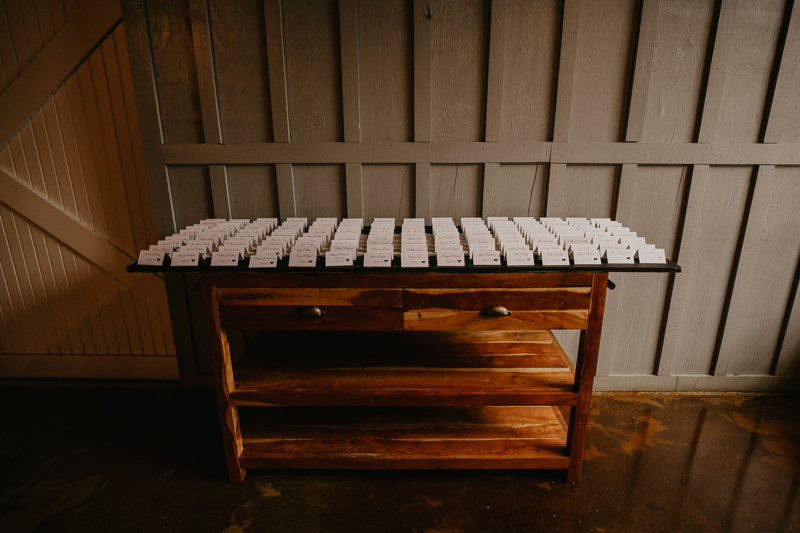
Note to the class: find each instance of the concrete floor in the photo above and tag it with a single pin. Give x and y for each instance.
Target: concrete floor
(136, 459)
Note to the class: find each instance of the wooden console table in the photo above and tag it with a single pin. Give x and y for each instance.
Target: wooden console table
(404, 368)
(451, 368)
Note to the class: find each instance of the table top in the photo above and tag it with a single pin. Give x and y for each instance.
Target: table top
(205, 267)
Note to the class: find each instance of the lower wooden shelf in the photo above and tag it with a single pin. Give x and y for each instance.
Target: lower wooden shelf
(404, 437)
(412, 369)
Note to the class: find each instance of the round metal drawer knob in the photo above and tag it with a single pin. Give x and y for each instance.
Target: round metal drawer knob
(310, 311)
(496, 310)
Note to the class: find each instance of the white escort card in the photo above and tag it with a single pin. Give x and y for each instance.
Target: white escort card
(225, 258)
(303, 258)
(378, 259)
(380, 248)
(414, 259)
(583, 256)
(450, 258)
(554, 257)
(619, 256)
(264, 261)
(520, 257)
(486, 258)
(337, 258)
(151, 257)
(185, 258)
(651, 256)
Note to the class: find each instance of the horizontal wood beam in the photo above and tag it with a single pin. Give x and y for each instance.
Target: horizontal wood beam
(610, 153)
(327, 152)
(54, 63)
(573, 153)
(89, 366)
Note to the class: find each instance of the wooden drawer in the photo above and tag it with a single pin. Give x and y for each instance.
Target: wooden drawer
(466, 309)
(310, 309)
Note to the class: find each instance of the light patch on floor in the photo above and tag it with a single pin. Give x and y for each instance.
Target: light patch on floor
(267, 491)
(433, 502)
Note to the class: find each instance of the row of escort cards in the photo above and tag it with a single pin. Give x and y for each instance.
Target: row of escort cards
(523, 241)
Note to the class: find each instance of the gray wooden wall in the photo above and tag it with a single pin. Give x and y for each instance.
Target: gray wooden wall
(677, 117)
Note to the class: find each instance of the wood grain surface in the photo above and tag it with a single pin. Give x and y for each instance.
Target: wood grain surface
(487, 437)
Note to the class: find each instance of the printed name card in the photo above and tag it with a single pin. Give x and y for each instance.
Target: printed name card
(380, 248)
(264, 261)
(303, 258)
(652, 256)
(450, 258)
(151, 257)
(486, 258)
(378, 259)
(582, 256)
(519, 257)
(414, 259)
(185, 258)
(554, 257)
(383, 221)
(225, 258)
(616, 257)
(338, 258)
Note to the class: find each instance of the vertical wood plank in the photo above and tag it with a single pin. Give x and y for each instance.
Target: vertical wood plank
(422, 75)
(110, 144)
(138, 43)
(459, 59)
(494, 103)
(533, 39)
(355, 194)
(351, 101)
(123, 148)
(32, 34)
(276, 59)
(220, 194)
(206, 78)
(645, 49)
(386, 71)
(716, 77)
(45, 160)
(787, 362)
(763, 283)
(112, 305)
(388, 191)
(19, 165)
(24, 270)
(209, 103)
(422, 191)
(58, 306)
(25, 342)
(144, 203)
(783, 124)
(58, 14)
(456, 190)
(677, 75)
(66, 183)
(493, 189)
(65, 294)
(557, 182)
(36, 276)
(495, 87)
(7, 56)
(79, 308)
(28, 153)
(93, 308)
(286, 196)
(241, 63)
(17, 29)
(45, 19)
(566, 72)
(72, 156)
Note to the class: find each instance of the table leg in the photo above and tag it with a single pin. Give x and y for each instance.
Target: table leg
(585, 369)
(223, 382)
